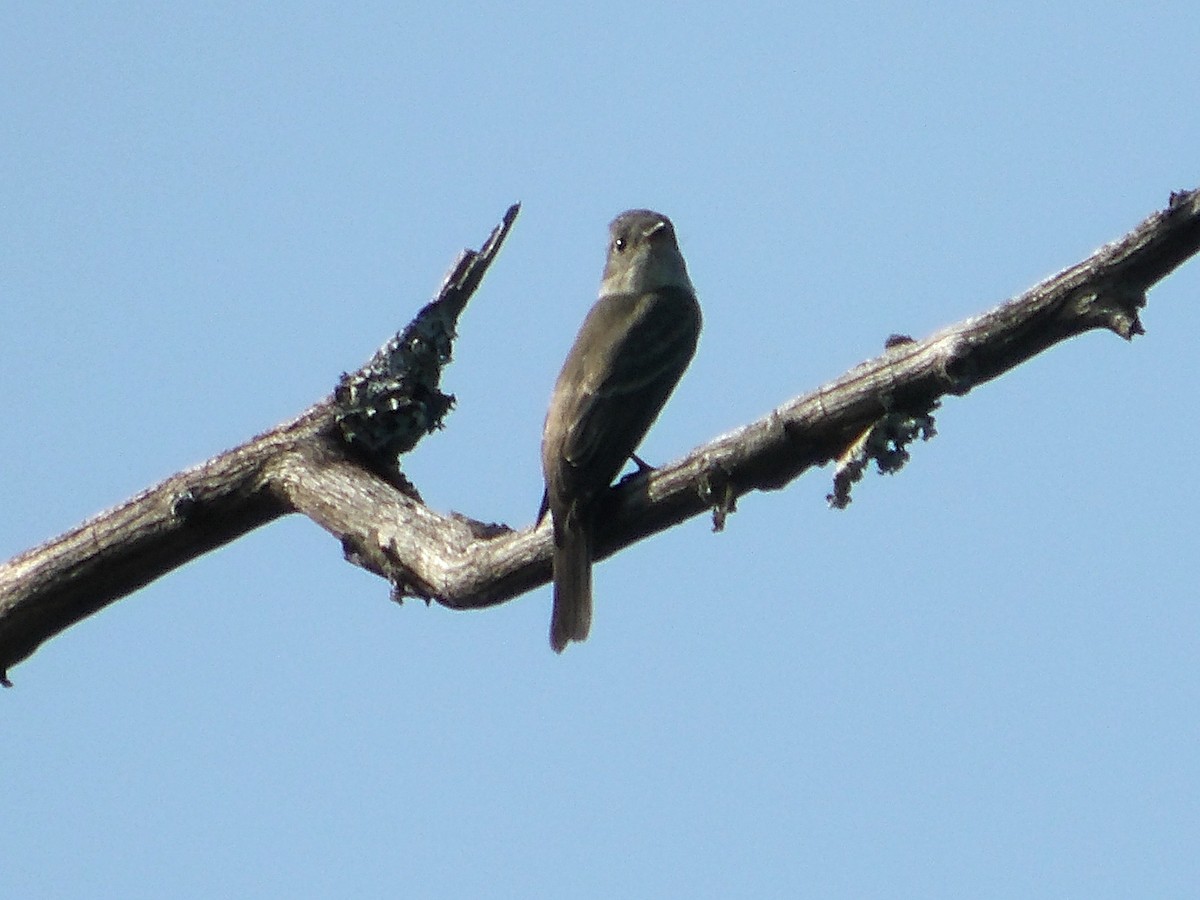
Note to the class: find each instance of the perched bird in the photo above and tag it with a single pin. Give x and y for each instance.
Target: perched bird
(627, 358)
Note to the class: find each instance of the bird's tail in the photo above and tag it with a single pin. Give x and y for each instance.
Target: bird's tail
(572, 616)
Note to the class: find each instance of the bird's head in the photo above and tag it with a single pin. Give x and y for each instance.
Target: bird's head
(643, 255)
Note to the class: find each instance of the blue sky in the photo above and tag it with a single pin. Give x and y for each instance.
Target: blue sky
(979, 680)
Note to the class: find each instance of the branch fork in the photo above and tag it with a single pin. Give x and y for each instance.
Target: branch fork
(337, 462)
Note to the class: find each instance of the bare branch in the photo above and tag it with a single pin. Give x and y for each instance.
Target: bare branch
(335, 463)
(386, 406)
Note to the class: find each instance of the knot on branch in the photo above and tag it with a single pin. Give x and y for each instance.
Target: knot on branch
(1113, 306)
(718, 491)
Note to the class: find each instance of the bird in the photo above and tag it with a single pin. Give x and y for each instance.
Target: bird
(630, 352)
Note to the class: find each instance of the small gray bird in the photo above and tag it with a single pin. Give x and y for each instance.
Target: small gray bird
(627, 358)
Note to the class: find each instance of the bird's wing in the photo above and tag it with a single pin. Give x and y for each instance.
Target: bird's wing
(617, 396)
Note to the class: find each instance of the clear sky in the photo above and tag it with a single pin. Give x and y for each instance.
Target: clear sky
(980, 680)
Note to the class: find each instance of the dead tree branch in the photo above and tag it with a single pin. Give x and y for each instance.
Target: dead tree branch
(336, 462)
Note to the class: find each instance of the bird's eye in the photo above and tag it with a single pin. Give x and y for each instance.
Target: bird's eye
(619, 244)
